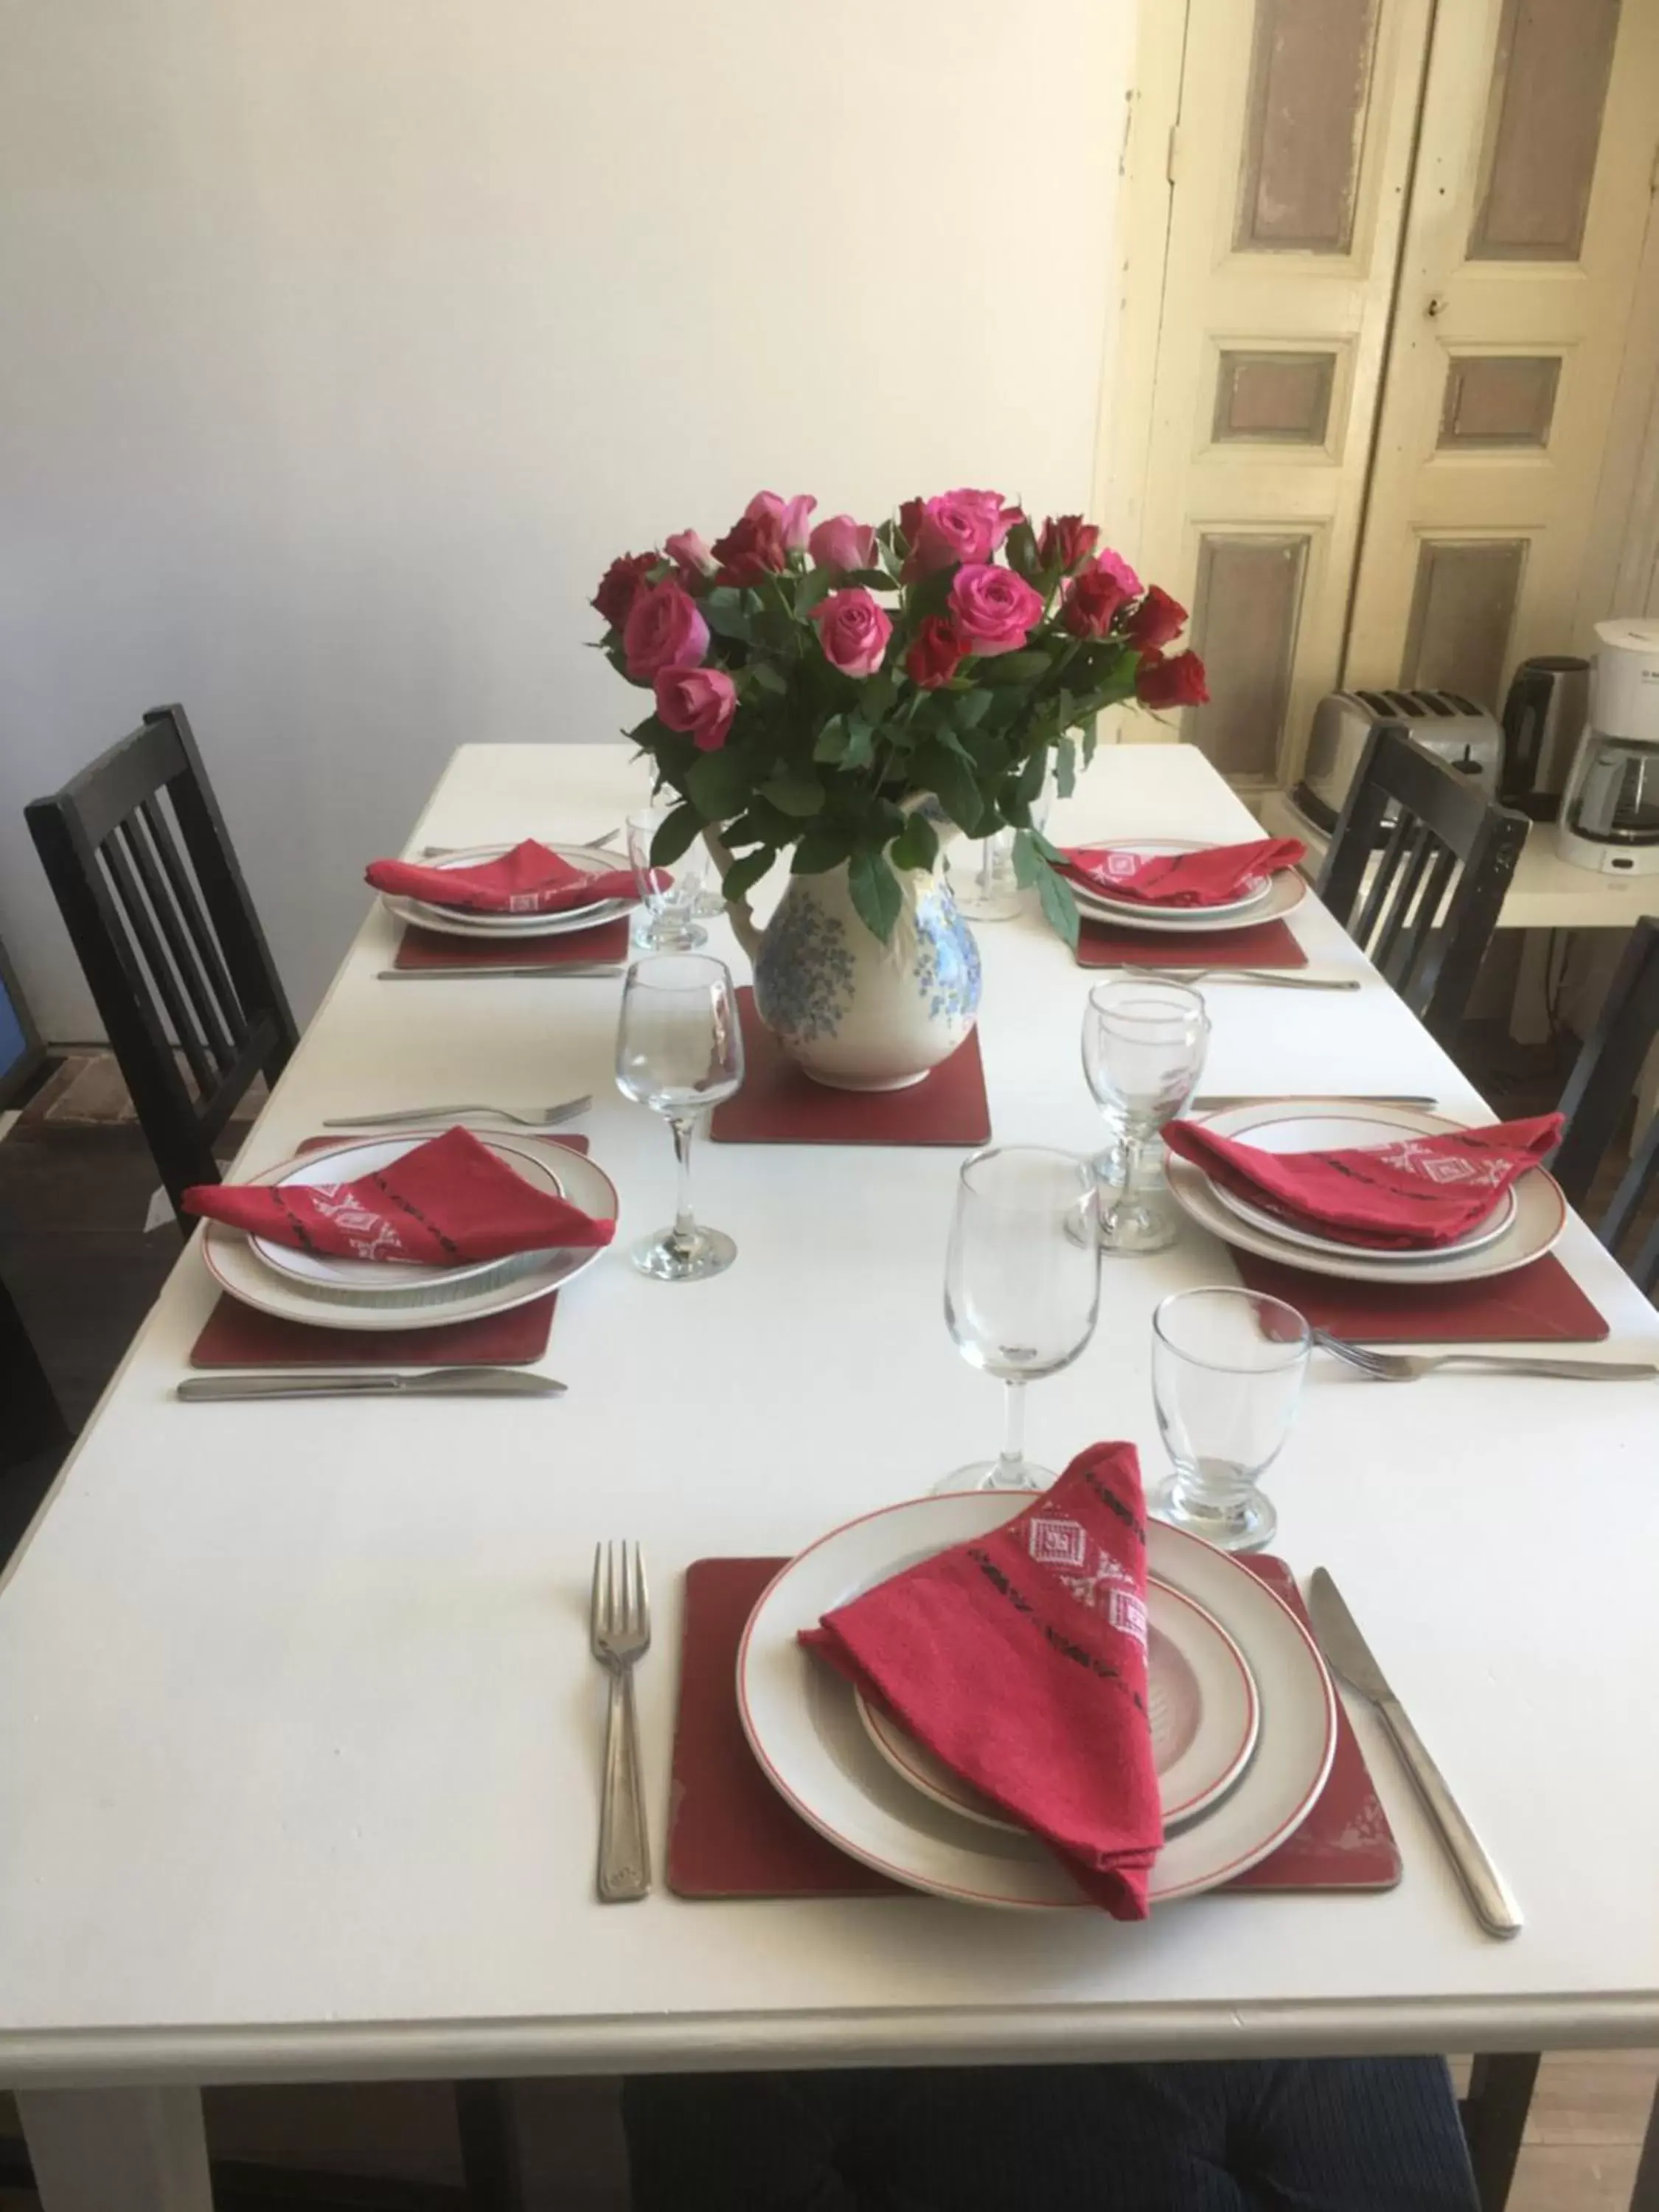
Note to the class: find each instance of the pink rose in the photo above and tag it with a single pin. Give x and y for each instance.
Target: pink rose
(993, 610)
(699, 701)
(842, 544)
(852, 631)
(663, 630)
(690, 555)
(959, 526)
(791, 515)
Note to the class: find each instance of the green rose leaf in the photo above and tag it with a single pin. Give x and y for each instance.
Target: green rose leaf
(1032, 776)
(970, 709)
(917, 844)
(676, 834)
(928, 596)
(814, 587)
(861, 742)
(801, 797)
(1027, 865)
(1005, 668)
(769, 676)
(1021, 550)
(870, 580)
(1059, 907)
(727, 611)
(878, 695)
(718, 786)
(1066, 767)
(832, 740)
(876, 893)
(820, 849)
(942, 768)
(742, 875)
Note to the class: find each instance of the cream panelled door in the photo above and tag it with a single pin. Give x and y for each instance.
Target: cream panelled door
(1290, 161)
(1532, 196)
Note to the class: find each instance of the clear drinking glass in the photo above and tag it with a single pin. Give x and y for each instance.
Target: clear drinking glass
(1227, 1370)
(680, 1051)
(1143, 1051)
(984, 883)
(667, 919)
(1022, 1285)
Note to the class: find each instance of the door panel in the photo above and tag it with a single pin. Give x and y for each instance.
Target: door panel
(1529, 204)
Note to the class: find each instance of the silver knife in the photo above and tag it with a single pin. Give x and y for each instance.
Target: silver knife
(1346, 1650)
(1261, 978)
(430, 1382)
(1214, 1102)
(462, 974)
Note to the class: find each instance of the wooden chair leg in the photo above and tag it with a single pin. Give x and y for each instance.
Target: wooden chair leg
(1494, 2116)
(1645, 2195)
(492, 2171)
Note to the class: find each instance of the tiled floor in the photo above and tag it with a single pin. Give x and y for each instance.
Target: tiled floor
(72, 1201)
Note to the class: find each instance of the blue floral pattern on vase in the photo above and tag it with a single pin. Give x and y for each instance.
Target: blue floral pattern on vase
(947, 959)
(803, 972)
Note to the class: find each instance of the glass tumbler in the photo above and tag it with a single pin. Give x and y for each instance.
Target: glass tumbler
(1227, 1370)
(671, 898)
(1144, 1043)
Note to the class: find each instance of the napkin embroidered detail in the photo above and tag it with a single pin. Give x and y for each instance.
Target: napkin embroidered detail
(1020, 1660)
(531, 879)
(446, 1202)
(1411, 1193)
(1215, 877)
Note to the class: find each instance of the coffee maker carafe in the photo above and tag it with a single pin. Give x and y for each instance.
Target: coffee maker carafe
(1609, 817)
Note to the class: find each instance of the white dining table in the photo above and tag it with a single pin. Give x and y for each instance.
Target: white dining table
(301, 1736)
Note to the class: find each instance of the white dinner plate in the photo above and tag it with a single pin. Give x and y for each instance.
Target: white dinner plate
(1148, 848)
(1200, 1699)
(241, 1274)
(370, 1278)
(802, 1722)
(1540, 1215)
(455, 921)
(1273, 1129)
(1285, 893)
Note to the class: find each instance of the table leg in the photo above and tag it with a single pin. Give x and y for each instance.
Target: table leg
(117, 2150)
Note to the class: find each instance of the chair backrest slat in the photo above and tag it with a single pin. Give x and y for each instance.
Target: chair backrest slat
(167, 936)
(1425, 908)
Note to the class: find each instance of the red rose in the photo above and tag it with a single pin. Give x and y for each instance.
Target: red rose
(992, 608)
(935, 654)
(1091, 600)
(1064, 542)
(1175, 679)
(619, 584)
(910, 519)
(752, 548)
(700, 701)
(663, 629)
(1156, 620)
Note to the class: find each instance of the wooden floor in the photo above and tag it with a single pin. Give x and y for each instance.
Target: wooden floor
(73, 1199)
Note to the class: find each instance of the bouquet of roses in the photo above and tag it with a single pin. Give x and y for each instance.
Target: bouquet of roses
(839, 690)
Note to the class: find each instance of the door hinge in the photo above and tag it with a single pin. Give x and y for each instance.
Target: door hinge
(1653, 174)
(1172, 153)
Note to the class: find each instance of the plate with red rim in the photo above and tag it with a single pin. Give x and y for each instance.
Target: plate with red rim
(802, 1723)
(241, 1273)
(1279, 893)
(1200, 1699)
(1525, 1230)
(463, 921)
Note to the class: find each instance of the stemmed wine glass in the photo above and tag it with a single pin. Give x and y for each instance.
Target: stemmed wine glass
(1227, 1371)
(671, 897)
(680, 1051)
(1022, 1285)
(1143, 1051)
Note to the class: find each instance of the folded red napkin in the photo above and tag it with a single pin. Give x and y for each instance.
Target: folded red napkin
(1225, 873)
(530, 879)
(1408, 1195)
(446, 1201)
(1020, 1660)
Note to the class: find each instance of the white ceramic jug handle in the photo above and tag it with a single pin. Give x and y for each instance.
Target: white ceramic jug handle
(747, 930)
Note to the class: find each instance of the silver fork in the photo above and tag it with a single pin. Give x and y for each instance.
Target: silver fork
(1270, 978)
(1411, 1366)
(588, 845)
(620, 1619)
(544, 1117)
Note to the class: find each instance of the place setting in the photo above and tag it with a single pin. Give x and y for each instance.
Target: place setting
(1178, 903)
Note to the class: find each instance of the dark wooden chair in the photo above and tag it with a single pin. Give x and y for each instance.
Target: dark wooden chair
(1428, 912)
(1597, 1102)
(142, 869)
(31, 1421)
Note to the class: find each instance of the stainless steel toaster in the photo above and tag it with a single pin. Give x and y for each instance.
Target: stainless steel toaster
(1466, 737)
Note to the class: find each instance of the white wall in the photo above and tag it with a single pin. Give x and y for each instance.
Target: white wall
(342, 342)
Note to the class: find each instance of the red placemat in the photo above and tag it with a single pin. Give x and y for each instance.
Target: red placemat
(779, 1105)
(731, 1835)
(574, 948)
(1267, 944)
(235, 1335)
(1540, 1303)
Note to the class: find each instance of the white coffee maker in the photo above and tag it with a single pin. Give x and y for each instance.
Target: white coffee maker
(1609, 818)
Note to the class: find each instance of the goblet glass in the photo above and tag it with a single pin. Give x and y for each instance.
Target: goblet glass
(680, 1051)
(1227, 1370)
(1143, 1051)
(671, 898)
(1022, 1285)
